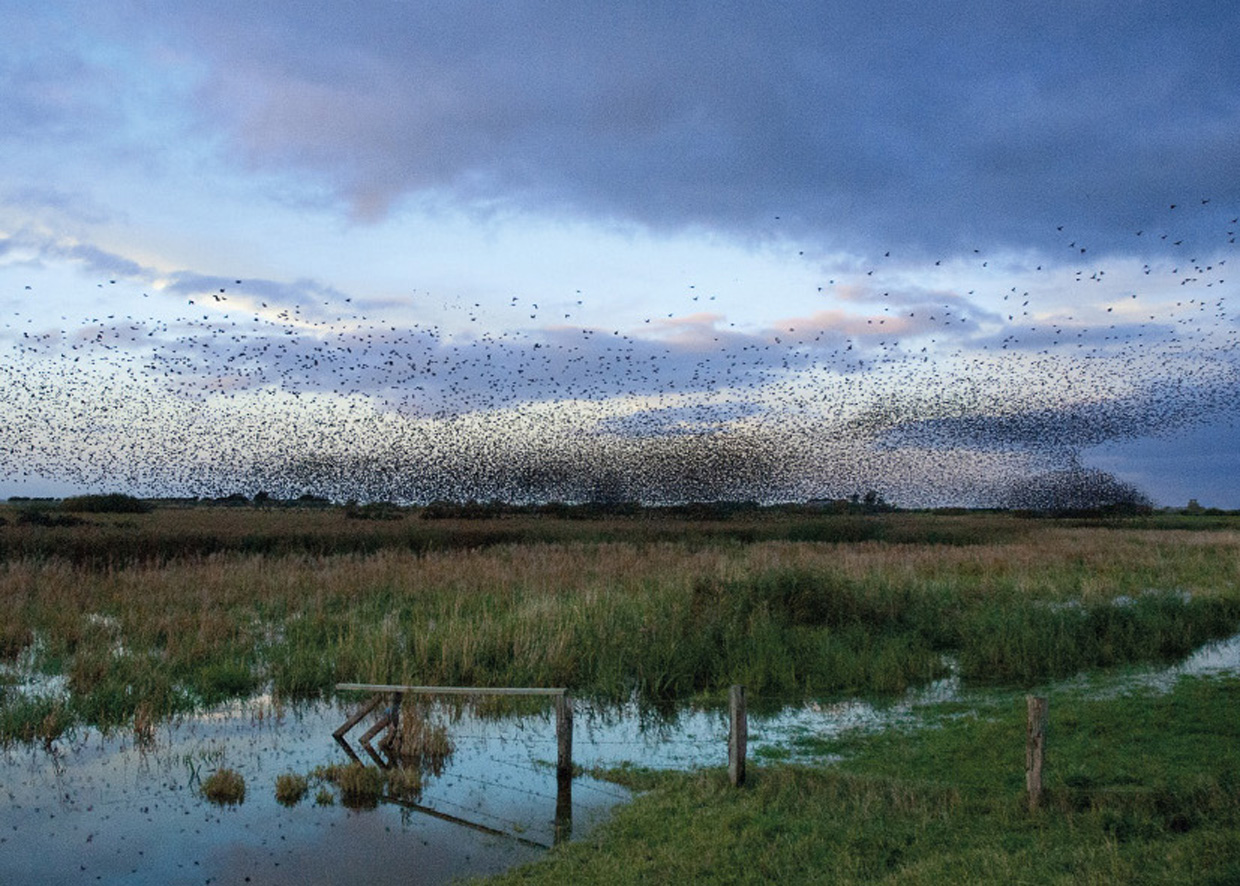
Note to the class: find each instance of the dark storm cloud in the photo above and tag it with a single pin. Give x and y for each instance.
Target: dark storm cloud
(1202, 461)
(1083, 138)
(936, 125)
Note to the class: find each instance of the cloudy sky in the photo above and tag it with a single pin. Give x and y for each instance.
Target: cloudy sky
(409, 250)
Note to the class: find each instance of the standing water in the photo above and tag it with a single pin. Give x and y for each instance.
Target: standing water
(92, 808)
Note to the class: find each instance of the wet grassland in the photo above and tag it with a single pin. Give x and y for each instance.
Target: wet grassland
(119, 621)
(1143, 787)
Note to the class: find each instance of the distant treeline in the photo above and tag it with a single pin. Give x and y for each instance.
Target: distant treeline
(117, 503)
(869, 503)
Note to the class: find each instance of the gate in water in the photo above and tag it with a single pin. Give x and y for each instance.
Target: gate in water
(390, 743)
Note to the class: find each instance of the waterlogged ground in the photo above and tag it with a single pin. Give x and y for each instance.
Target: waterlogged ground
(782, 736)
(105, 809)
(95, 808)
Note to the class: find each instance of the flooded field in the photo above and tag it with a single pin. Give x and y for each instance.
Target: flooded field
(120, 808)
(111, 809)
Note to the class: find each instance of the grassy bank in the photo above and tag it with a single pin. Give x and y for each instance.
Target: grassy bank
(110, 541)
(1141, 789)
(147, 614)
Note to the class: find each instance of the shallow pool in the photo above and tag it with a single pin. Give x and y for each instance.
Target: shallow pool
(94, 808)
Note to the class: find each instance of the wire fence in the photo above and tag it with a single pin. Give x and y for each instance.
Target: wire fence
(520, 747)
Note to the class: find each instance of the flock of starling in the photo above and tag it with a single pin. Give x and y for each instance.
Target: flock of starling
(904, 381)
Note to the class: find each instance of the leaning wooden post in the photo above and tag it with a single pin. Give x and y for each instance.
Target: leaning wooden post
(357, 718)
(393, 736)
(738, 735)
(564, 735)
(1035, 748)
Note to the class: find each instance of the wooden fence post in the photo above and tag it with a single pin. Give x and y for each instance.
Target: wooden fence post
(738, 735)
(392, 741)
(1035, 747)
(564, 735)
(563, 768)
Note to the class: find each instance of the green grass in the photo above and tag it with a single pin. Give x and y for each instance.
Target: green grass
(1022, 642)
(27, 719)
(172, 610)
(1140, 789)
(107, 540)
(149, 614)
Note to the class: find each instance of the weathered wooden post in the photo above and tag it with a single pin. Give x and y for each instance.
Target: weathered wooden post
(392, 741)
(564, 734)
(357, 717)
(563, 808)
(391, 721)
(738, 735)
(563, 767)
(380, 724)
(1035, 747)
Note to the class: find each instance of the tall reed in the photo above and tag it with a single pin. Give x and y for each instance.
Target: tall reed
(607, 608)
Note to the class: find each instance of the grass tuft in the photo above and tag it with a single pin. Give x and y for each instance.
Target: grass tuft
(224, 787)
(291, 788)
(360, 786)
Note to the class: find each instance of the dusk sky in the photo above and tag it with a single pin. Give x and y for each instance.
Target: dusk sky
(659, 250)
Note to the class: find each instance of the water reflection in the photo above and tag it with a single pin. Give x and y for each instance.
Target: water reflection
(94, 808)
(415, 744)
(104, 809)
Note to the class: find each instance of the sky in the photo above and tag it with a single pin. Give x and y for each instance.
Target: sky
(533, 251)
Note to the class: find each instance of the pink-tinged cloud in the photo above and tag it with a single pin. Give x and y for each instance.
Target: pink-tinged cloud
(837, 323)
(696, 332)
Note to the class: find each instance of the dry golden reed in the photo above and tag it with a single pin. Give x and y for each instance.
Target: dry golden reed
(193, 606)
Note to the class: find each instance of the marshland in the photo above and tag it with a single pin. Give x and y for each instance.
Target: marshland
(114, 626)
